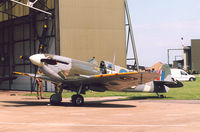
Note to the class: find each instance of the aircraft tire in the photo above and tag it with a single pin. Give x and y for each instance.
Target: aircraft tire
(77, 100)
(55, 99)
(162, 96)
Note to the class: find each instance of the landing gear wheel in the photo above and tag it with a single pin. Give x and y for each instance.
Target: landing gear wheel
(77, 100)
(55, 99)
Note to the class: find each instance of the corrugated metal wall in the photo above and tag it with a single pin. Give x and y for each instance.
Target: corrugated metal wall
(93, 28)
(195, 44)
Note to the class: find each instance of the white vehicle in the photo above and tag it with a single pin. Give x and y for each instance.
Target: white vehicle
(181, 75)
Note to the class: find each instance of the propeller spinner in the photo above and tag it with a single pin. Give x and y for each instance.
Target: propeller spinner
(36, 59)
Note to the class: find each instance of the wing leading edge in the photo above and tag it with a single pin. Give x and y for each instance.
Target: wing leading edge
(33, 75)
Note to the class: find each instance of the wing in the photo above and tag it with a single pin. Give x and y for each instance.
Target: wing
(114, 82)
(122, 81)
(33, 75)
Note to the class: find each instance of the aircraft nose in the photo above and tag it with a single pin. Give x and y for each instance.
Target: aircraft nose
(36, 59)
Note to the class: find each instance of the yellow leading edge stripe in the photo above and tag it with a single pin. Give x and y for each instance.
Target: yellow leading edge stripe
(18, 73)
(115, 74)
(96, 76)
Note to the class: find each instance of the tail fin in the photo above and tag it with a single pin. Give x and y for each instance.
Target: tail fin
(166, 79)
(165, 73)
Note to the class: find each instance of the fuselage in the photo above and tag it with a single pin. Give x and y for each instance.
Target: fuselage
(64, 68)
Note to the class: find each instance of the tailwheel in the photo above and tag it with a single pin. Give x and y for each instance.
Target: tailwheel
(162, 96)
(55, 99)
(77, 100)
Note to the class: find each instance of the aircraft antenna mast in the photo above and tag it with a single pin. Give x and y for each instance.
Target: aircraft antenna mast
(130, 32)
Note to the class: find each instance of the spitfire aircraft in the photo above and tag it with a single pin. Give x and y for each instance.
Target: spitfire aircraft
(79, 76)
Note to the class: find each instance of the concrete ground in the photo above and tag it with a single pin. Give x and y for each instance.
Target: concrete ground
(108, 114)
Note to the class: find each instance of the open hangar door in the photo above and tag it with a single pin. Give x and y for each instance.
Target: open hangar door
(21, 32)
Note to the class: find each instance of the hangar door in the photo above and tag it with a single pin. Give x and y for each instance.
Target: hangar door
(93, 28)
(21, 32)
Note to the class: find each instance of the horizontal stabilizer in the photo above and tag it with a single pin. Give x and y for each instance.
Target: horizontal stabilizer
(175, 84)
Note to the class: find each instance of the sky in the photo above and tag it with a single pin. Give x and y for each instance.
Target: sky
(159, 25)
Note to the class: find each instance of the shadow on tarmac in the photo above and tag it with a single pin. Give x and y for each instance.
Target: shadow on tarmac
(97, 104)
(23, 103)
(146, 97)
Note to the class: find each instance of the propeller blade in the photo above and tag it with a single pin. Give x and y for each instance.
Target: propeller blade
(53, 62)
(24, 57)
(34, 81)
(49, 61)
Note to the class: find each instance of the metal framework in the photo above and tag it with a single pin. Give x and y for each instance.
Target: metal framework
(30, 5)
(130, 36)
(168, 53)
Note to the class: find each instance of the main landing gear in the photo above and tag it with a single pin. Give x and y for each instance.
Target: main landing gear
(77, 99)
(56, 98)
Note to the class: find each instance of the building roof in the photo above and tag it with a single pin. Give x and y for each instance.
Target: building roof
(187, 48)
(157, 66)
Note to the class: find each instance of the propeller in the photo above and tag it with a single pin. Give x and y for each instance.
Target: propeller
(49, 61)
(33, 85)
(41, 49)
(34, 80)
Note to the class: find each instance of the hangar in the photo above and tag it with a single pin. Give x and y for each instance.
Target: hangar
(77, 29)
(191, 59)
